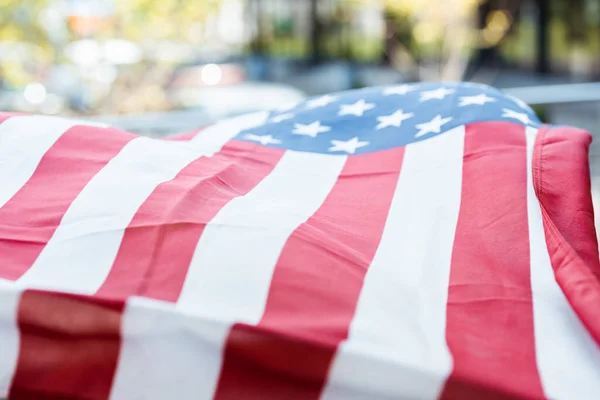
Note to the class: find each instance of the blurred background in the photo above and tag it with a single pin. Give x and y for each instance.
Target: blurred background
(159, 67)
(224, 57)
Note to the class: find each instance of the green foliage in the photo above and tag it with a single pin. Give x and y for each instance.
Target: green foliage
(19, 22)
(541, 112)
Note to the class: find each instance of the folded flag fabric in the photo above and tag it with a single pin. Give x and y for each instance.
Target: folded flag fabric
(406, 242)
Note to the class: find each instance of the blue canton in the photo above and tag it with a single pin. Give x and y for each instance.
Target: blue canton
(379, 118)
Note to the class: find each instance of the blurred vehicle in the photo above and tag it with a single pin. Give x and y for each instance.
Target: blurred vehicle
(197, 107)
(227, 100)
(210, 74)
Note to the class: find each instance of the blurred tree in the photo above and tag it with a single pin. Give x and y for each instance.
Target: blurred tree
(258, 43)
(19, 21)
(316, 30)
(576, 21)
(441, 35)
(543, 15)
(431, 23)
(27, 45)
(140, 20)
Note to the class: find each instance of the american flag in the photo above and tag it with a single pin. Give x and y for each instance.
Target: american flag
(404, 242)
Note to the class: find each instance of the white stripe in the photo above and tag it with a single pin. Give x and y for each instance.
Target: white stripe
(568, 358)
(164, 351)
(9, 335)
(233, 285)
(230, 274)
(23, 142)
(397, 340)
(80, 254)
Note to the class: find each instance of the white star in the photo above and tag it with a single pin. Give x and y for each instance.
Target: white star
(524, 118)
(311, 130)
(349, 147)
(393, 120)
(357, 108)
(321, 101)
(262, 139)
(433, 126)
(282, 117)
(479, 99)
(399, 89)
(439, 94)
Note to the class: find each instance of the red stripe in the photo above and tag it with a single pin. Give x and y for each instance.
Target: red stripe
(562, 182)
(31, 216)
(159, 243)
(5, 116)
(490, 329)
(315, 288)
(69, 347)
